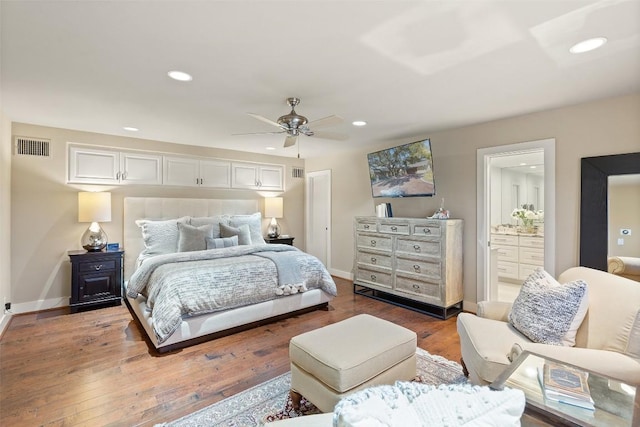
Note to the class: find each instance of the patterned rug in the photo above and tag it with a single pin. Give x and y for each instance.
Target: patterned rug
(270, 401)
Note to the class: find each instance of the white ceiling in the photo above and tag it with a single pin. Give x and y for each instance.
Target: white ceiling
(406, 67)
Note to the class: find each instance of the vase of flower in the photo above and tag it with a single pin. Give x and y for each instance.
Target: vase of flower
(527, 217)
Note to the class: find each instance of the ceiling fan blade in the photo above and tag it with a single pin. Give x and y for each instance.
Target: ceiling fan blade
(325, 121)
(331, 135)
(264, 119)
(258, 133)
(290, 140)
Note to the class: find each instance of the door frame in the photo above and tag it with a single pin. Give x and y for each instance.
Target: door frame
(310, 199)
(483, 218)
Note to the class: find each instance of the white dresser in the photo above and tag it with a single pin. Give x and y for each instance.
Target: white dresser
(518, 255)
(419, 260)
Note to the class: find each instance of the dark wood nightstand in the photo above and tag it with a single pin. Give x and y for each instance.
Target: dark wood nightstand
(281, 240)
(96, 279)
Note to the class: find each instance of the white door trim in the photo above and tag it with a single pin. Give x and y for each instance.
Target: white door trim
(309, 200)
(482, 199)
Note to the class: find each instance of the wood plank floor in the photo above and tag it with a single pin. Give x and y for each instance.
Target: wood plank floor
(94, 368)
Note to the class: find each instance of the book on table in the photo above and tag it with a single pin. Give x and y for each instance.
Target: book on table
(566, 384)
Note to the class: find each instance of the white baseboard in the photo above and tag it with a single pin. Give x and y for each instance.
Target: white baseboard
(4, 322)
(341, 274)
(39, 305)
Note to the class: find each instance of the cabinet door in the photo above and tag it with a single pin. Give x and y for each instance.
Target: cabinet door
(271, 177)
(244, 175)
(140, 169)
(180, 171)
(93, 166)
(215, 174)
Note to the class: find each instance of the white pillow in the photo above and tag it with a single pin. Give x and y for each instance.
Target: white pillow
(254, 221)
(548, 312)
(215, 220)
(242, 233)
(193, 238)
(160, 237)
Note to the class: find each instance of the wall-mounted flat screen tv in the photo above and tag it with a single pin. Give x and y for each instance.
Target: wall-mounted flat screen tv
(403, 171)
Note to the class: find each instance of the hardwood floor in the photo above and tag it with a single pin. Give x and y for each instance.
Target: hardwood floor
(95, 368)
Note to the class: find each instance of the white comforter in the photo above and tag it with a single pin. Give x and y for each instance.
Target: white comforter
(193, 283)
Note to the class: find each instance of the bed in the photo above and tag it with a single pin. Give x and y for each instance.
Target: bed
(155, 279)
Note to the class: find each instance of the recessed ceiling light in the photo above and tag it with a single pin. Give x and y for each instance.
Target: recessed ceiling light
(359, 123)
(131, 129)
(180, 76)
(270, 148)
(523, 164)
(532, 167)
(588, 45)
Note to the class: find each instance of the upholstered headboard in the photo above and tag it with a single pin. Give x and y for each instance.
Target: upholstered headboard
(166, 208)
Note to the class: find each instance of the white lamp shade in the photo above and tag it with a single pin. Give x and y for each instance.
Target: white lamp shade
(273, 207)
(94, 207)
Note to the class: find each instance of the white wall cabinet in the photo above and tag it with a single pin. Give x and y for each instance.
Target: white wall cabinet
(518, 256)
(257, 177)
(104, 166)
(192, 172)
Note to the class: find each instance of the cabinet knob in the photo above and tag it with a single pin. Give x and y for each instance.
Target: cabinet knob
(366, 226)
(426, 230)
(416, 287)
(417, 248)
(373, 260)
(394, 228)
(416, 267)
(98, 267)
(373, 277)
(373, 242)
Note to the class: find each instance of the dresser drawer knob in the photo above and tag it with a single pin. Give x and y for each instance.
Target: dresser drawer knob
(416, 287)
(416, 267)
(373, 242)
(373, 277)
(373, 260)
(97, 267)
(366, 226)
(417, 248)
(394, 228)
(426, 230)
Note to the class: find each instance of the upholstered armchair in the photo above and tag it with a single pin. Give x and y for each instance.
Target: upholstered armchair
(607, 340)
(625, 266)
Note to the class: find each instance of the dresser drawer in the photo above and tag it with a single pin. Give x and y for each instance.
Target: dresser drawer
(95, 266)
(418, 247)
(427, 230)
(369, 258)
(533, 256)
(506, 253)
(420, 267)
(526, 270)
(508, 269)
(504, 239)
(394, 228)
(366, 226)
(417, 287)
(373, 241)
(376, 277)
(532, 242)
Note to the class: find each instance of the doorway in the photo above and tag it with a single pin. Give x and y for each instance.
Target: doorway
(318, 216)
(516, 216)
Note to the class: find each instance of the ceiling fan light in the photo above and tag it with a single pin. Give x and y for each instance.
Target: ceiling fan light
(588, 45)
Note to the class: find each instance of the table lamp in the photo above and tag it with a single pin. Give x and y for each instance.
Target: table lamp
(94, 208)
(273, 209)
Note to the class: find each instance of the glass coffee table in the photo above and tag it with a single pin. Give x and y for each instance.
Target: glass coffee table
(616, 403)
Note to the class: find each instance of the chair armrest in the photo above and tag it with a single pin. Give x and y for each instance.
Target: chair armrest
(495, 310)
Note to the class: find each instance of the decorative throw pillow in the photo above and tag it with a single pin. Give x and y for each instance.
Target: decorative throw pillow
(633, 345)
(548, 312)
(243, 233)
(215, 220)
(193, 238)
(160, 237)
(222, 242)
(254, 221)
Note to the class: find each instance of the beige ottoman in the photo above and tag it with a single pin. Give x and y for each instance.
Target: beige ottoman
(336, 360)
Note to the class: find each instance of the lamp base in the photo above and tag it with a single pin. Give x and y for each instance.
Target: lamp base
(94, 239)
(274, 229)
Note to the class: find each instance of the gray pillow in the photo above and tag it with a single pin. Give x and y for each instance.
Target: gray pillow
(254, 221)
(160, 237)
(215, 220)
(243, 233)
(222, 242)
(193, 238)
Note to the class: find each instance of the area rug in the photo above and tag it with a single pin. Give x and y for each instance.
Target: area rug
(270, 401)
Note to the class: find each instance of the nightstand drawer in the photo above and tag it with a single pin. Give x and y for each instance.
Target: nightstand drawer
(96, 266)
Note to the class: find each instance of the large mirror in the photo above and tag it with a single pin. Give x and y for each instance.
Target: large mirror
(594, 233)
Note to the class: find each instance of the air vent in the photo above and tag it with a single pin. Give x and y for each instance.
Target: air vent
(297, 172)
(26, 146)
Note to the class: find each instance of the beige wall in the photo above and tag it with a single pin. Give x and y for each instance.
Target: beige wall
(624, 212)
(44, 208)
(5, 211)
(609, 126)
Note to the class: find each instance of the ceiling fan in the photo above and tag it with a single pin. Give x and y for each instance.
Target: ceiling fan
(293, 124)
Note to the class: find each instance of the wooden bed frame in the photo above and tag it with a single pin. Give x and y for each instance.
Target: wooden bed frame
(197, 329)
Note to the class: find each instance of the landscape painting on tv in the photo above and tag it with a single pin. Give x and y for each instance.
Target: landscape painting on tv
(403, 171)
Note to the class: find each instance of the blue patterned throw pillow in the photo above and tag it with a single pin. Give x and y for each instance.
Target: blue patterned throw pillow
(548, 312)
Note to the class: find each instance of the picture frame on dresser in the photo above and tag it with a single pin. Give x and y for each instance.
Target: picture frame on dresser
(412, 262)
